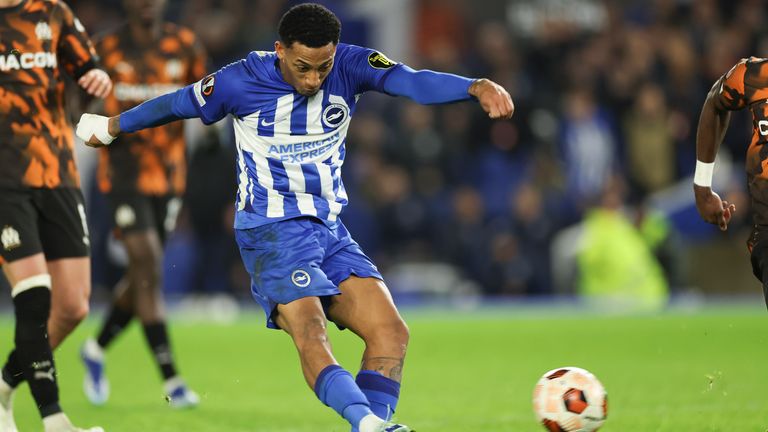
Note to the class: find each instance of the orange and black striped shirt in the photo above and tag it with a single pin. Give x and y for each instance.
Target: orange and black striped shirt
(39, 38)
(151, 161)
(746, 86)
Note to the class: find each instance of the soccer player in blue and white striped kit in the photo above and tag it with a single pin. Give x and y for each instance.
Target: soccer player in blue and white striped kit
(292, 108)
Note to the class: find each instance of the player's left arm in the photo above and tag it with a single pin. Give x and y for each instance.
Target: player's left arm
(78, 56)
(372, 70)
(726, 95)
(430, 87)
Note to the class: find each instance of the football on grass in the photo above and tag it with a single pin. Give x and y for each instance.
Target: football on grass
(570, 399)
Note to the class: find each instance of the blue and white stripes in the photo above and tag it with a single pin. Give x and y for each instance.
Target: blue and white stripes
(289, 159)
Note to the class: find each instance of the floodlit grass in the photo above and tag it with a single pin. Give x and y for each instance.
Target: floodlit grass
(466, 371)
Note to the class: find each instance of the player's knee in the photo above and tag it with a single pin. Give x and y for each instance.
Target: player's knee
(400, 333)
(310, 332)
(394, 333)
(70, 313)
(145, 274)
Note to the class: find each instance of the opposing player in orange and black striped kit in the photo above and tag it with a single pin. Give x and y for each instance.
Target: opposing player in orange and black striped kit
(43, 231)
(744, 86)
(143, 175)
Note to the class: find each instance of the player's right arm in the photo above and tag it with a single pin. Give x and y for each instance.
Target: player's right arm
(726, 95)
(209, 99)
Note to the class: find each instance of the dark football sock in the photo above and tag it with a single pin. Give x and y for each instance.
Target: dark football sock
(13, 374)
(33, 350)
(117, 320)
(157, 337)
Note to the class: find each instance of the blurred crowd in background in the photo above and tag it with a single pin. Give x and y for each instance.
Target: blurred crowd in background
(587, 190)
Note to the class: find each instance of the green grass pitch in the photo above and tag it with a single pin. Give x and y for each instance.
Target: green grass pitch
(466, 371)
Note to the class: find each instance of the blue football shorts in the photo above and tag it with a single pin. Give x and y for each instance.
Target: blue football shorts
(298, 258)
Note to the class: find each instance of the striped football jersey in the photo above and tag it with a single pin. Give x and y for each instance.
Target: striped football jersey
(290, 147)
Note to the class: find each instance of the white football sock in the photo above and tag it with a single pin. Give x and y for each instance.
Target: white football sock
(371, 423)
(57, 422)
(6, 391)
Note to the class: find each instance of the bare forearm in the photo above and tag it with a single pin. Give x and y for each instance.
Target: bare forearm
(713, 123)
(114, 126)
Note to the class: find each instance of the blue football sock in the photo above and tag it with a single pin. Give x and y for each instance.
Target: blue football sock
(382, 392)
(336, 388)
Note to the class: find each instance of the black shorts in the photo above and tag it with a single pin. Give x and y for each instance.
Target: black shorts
(134, 212)
(37, 220)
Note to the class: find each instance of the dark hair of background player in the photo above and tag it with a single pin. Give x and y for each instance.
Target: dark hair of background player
(309, 24)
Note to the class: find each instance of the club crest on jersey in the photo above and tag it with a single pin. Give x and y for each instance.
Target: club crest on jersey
(378, 60)
(10, 238)
(334, 115)
(43, 31)
(207, 86)
(300, 278)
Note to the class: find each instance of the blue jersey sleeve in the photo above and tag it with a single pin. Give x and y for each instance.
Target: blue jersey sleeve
(159, 111)
(366, 68)
(216, 95)
(426, 86)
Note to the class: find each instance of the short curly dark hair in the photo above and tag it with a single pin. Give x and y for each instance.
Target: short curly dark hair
(309, 24)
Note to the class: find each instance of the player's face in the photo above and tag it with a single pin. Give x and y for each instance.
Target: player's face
(305, 68)
(145, 11)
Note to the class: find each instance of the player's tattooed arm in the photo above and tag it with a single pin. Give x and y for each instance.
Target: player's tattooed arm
(494, 99)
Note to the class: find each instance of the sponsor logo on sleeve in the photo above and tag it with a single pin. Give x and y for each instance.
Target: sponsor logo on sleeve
(378, 60)
(207, 85)
(203, 89)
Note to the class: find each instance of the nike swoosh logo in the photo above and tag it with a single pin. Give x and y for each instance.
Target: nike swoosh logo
(266, 123)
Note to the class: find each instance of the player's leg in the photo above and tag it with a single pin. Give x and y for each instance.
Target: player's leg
(66, 243)
(129, 212)
(69, 298)
(145, 275)
(283, 259)
(24, 238)
(304, 320)
(366, 308)
(95, 382)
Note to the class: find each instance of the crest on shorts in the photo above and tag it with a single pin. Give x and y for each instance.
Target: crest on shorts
(300, 278)
(10, 238)
(378, 60)
(125, 216)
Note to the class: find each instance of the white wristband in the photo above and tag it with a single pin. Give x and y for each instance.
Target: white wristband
(703, 175)
(94, 125)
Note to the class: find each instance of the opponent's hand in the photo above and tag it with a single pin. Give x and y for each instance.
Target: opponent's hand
(95, 130)
(96, 83)
(494, 99)
(711, 208)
